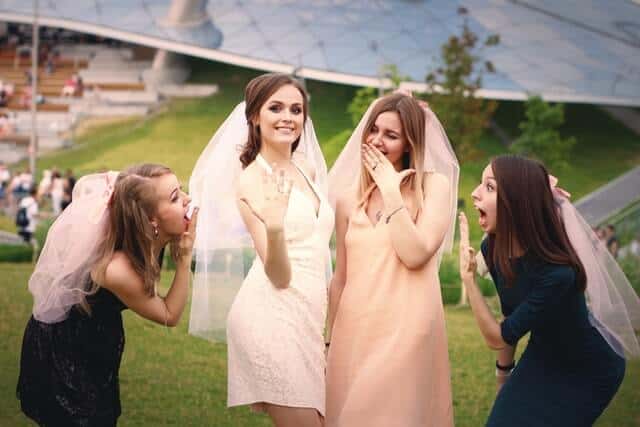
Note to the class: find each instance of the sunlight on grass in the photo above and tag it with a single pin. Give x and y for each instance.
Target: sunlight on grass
(171, 378)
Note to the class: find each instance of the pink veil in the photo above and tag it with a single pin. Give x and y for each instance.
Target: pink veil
(62, 275)
(613, 304)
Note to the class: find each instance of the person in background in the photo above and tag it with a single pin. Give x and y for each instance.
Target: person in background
(599, 231)
(44, 188)
(27, 216)
(69, 183)
(5, 179)
(613, 244)
(57, 192)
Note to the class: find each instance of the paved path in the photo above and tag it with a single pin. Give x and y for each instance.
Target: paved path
(610, 198)
(10, 238)
(627, 116)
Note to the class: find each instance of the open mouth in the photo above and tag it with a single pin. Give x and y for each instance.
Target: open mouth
(482, 219)
(186, 221)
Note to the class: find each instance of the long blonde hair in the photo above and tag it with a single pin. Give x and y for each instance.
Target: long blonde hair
(413, 120)
(129, 227)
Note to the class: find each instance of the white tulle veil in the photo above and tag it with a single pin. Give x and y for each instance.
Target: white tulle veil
(223, 250)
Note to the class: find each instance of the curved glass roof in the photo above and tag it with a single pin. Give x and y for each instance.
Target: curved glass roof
(571, 50)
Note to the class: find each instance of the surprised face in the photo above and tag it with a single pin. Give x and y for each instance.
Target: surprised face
(485, 197)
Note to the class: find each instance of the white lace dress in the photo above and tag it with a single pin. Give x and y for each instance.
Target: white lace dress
(275, 336)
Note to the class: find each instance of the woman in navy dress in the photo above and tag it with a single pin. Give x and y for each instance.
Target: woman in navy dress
(568, 373)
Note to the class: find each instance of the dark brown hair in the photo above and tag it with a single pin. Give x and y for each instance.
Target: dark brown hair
(413, 120)
(257, 92)
(526, 213)
(129, 229)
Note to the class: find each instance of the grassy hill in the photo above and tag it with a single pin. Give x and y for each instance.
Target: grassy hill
(176, 136)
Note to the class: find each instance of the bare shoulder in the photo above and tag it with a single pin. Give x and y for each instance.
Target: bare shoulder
(120, 274)
(346, 202)
(248, 179)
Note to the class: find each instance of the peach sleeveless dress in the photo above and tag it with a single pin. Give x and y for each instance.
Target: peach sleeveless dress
(388, 362)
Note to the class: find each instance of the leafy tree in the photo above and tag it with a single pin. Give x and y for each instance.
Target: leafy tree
(453, 88)
(540, 137)
(366, 95)
(360, 102)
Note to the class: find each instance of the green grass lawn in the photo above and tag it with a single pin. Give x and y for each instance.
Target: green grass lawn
(604, 148)
(171, 378)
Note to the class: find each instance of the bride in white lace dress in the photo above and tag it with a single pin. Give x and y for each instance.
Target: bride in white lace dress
(275, 328)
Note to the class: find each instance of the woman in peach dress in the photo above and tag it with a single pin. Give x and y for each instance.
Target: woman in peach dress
(387, 362)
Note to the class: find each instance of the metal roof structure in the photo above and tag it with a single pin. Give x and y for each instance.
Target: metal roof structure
(570, 50)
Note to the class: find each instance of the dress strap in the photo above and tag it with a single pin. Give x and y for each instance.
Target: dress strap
(262, 162)
(364, 201)
(309, 181)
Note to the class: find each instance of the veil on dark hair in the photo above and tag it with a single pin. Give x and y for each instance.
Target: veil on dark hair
(614, 307)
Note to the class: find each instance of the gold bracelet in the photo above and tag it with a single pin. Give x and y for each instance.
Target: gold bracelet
(393, 213)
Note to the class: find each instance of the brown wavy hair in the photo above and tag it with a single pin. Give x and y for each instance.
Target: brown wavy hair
(257, 92)
(129, 229)
(526, 213)
(413, 120)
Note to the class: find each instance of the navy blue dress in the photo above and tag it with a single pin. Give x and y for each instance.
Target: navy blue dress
(568, 373)
(69, 370)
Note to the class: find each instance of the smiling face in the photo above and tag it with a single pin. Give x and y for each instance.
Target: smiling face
(281, 117)
(172, 205)
(387, 135)
(485, 199)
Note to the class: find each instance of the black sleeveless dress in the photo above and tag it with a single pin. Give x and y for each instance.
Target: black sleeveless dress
(69, 370)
